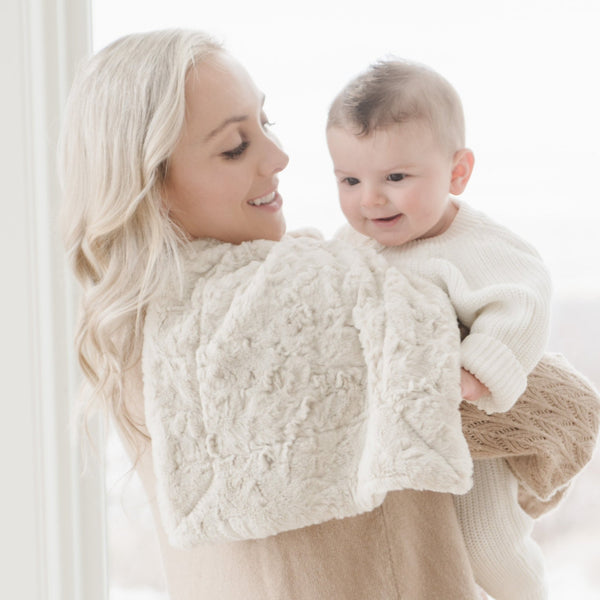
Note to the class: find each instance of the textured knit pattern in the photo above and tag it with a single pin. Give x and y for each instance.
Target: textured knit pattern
(500, 290)
(547, 437)
(506, 561)
(290, 383)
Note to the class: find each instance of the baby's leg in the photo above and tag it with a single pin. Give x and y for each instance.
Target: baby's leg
(507, 563)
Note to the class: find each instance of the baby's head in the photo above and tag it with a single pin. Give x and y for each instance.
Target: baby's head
(395, 92)
(396, 135)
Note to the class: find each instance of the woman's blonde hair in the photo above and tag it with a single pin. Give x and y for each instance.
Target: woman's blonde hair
(396, 91)
(123, 118)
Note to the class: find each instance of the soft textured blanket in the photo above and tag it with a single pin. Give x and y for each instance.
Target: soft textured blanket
(290, 383)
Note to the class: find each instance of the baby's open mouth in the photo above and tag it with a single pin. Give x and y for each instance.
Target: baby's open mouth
(388, 219)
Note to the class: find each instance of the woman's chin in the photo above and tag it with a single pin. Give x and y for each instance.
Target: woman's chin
(278, 232)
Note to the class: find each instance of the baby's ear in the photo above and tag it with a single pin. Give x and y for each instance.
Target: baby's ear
(462, 167)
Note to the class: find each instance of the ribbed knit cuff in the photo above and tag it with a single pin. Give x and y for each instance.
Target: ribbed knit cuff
(496, 367)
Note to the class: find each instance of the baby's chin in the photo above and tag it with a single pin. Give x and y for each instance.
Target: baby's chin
(386, 238)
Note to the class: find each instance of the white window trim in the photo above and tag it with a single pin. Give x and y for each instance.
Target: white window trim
(53, 543)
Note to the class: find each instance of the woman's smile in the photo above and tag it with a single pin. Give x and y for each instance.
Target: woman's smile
(270, 200)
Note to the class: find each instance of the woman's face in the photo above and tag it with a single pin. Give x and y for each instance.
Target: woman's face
(221, 179)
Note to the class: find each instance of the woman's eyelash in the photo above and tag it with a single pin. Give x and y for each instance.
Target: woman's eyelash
(237, 151)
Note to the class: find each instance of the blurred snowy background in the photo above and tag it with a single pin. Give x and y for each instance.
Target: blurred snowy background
(527, 73)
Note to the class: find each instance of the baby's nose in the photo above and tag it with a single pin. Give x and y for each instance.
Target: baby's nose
(372, 197)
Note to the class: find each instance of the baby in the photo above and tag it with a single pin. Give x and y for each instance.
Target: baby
(396, 138)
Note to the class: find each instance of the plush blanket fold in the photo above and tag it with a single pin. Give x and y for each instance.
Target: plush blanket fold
(290, 383)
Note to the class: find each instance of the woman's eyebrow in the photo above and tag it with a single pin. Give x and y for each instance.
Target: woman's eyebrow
(229, 121)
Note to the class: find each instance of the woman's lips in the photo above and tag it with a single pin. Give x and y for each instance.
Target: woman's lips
(271, 201)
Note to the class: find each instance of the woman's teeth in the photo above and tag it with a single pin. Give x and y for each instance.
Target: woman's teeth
(264, 200)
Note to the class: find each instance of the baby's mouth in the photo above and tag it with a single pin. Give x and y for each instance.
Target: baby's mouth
(391, 219)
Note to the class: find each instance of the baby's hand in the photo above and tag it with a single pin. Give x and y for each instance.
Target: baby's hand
(471, 388)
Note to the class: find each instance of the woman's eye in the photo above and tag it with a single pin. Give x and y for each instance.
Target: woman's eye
(396, 176)
(236, 152)
(350, 180)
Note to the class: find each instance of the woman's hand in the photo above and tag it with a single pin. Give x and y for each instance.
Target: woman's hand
(471, 388)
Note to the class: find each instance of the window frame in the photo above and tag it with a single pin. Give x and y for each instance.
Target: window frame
(53, 516)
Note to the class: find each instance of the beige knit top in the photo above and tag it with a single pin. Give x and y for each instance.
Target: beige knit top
(547, 437)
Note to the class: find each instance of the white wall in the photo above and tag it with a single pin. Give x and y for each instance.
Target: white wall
(52, 541)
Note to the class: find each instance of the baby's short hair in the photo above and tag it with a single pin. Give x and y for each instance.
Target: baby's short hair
(396, 91)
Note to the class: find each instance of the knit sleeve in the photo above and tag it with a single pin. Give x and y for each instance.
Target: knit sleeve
(501, 291)
(546, 438)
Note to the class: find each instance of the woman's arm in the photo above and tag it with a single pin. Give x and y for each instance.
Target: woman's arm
(547, 437)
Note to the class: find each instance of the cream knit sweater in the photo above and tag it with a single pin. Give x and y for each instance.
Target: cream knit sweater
(500, 291)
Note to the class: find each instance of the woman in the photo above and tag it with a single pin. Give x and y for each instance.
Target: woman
(165, 141)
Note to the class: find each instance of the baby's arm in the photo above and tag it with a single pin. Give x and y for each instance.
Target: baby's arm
(509, 323)
(501, 291)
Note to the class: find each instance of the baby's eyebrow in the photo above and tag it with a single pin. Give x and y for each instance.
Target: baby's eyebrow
(344, 175)
(398, 167)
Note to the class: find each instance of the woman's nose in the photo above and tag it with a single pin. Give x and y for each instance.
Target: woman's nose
(275, 159)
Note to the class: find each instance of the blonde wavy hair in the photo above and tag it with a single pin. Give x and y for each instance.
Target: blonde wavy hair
(123, 117)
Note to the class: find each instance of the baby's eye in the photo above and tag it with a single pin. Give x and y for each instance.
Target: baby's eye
(236, 152)
(396, 176)
(350, 180)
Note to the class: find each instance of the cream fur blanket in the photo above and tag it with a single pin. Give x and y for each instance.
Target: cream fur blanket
(290, 383)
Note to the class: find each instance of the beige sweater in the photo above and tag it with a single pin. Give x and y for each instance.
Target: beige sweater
(547, 437)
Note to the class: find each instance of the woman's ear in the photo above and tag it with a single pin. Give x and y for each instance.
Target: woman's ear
(462, 167)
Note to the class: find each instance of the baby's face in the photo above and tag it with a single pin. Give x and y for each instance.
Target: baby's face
(394, 184)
